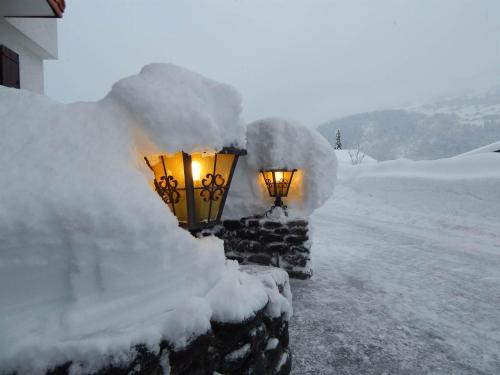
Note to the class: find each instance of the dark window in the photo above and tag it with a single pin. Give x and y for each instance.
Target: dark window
(9, 68)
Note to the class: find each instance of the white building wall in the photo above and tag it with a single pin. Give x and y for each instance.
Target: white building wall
(34, 40)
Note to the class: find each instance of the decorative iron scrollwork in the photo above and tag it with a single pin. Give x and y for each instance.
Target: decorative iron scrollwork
(212, 187)
(269, 184)
(167, 189)
(281, 185)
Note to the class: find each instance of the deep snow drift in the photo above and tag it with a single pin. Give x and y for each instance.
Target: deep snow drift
(406, 257)
(91, 260)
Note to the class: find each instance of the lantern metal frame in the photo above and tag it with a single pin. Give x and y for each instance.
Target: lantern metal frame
(278, 188)
(212, 189)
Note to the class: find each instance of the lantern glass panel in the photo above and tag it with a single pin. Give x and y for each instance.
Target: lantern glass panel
(283, 179)
(202, 165)
(169, 175)
(210, 178)
(223, 169)
(269, 181)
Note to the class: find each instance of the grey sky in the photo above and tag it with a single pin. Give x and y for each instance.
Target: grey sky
(311, 60)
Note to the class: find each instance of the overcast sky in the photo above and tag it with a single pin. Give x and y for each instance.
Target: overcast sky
(310, 60)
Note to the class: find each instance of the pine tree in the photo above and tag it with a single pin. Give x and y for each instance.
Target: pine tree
(338, 142)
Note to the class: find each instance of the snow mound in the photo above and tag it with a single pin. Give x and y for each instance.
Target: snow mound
(453, 192)
(91, 260)
(474, 166)
(279, 143)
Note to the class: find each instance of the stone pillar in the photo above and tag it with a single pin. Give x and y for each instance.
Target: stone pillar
(279, 242)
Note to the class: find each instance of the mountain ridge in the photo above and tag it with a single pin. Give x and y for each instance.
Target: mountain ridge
(445, 128)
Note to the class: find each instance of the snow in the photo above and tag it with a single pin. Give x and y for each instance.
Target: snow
(406, 258)
(232, 286)
(280, 304)
(91, 260)
(180, 111)
(238, 354)
(283, 360)
(272, 343)
(492, 147)
(280, 143)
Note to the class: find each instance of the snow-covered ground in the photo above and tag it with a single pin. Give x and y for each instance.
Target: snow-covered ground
(407, 272)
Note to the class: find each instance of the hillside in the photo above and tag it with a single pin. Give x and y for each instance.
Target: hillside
(442, 129)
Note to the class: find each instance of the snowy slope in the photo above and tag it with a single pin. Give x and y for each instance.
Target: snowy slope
(442, 129)
(406, 257)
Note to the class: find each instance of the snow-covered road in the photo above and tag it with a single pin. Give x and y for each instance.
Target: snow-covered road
(398, 290)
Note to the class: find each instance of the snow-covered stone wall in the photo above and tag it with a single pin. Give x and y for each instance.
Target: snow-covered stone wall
(257, 345)
(92, 262)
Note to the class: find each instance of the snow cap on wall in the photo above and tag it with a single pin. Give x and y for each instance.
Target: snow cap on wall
(180, 110)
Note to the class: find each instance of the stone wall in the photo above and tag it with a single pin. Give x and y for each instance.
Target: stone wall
(279, 242)
(259, 345)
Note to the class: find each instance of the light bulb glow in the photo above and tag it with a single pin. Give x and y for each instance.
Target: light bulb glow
(279, 176)
(196, 170)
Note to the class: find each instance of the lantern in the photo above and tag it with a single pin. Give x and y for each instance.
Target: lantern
(194, 186)
(278, 183)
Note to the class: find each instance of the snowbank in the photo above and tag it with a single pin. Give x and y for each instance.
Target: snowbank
(448, 192)
(473, 166)
(279, 143)
(91, 260)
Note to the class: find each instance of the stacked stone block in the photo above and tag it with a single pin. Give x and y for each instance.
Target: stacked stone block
(280, 243)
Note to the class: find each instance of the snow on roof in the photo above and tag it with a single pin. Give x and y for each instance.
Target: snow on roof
(493, 147)
(91, 260)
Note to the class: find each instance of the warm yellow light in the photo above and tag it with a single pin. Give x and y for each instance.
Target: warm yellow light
(196, 169)
(279, 176)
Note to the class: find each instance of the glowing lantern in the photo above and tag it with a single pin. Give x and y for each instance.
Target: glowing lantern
(278, 183)
(194, 186)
